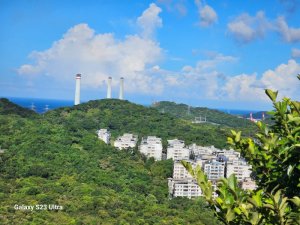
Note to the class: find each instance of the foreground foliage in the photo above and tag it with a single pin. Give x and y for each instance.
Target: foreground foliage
(274, 156)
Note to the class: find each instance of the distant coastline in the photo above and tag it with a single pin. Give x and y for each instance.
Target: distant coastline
(42, 105)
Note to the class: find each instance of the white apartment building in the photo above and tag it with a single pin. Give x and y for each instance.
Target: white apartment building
(104, 135)
(126, 141)
(179, 171)
(238, 167)
(184, 188)
(214, 169)
(231, 155)
(202, 150)
(151, 147)
(177, 151)
(248, 184)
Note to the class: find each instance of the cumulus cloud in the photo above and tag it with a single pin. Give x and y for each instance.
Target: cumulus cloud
(296, 53)
(289, 34)
(150, 20)
(207, 14)
(97, 56)
(204, 80)
(246, 28)
(251, 87)
(177, 6)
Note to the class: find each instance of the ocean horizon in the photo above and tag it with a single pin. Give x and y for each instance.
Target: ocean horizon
(43, 105)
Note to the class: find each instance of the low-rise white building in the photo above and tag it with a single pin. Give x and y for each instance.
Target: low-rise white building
(176, 150)
(126, 141)
(179, 171)
(202, 150)
(151, 147)
(248, 184)
(214, 169)
(230, 155)
(104, 135)
(184, 188)
(240, 168)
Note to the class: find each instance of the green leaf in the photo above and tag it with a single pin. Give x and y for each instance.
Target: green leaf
(230, 215)
(272, 94)
(296, 201)
(237, 137)
(290, 170)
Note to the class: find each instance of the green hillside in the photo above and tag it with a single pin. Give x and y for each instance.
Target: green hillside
(57, 159)
(210, 116)
(123, 116)
(7, 107)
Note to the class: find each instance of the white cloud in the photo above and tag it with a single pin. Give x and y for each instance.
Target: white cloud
(215, 60)
(205, 81)
(296, 53)
(177, 6)
(98, 56)
(246, 28)
(207, 14)
(289, 34)
(180, 8)
(150, 20)
(251, 88)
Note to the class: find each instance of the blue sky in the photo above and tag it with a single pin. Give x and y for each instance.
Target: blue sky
(219, 54)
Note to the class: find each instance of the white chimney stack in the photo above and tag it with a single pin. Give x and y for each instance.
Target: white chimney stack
(77, 90)
(121, 94)
(109, 87)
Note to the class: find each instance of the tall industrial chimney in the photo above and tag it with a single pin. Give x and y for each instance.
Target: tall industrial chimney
(77, 90)
(109, 87)
(121, 94)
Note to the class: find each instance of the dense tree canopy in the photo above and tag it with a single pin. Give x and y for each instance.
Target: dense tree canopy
(212, 115)
(56, 158)
(125, 117)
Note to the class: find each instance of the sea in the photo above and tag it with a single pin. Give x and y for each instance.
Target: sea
(43, 105)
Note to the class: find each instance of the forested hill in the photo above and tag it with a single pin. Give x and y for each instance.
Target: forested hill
(126, 117)
(212, 115)
(7, 107)
(58, 159)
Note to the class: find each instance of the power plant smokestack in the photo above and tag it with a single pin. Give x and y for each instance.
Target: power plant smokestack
(77, 90)
(121, 94)
(109, 87)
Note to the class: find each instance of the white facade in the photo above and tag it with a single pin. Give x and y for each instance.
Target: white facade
(177, 151)
(248, 184)
(151, 147)
(184, 188)
(238, 167)
(231, 155)
(179, 171)
(126, 141)
(214, 169)
(104, 135)
(214, 162)
(201, 150)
